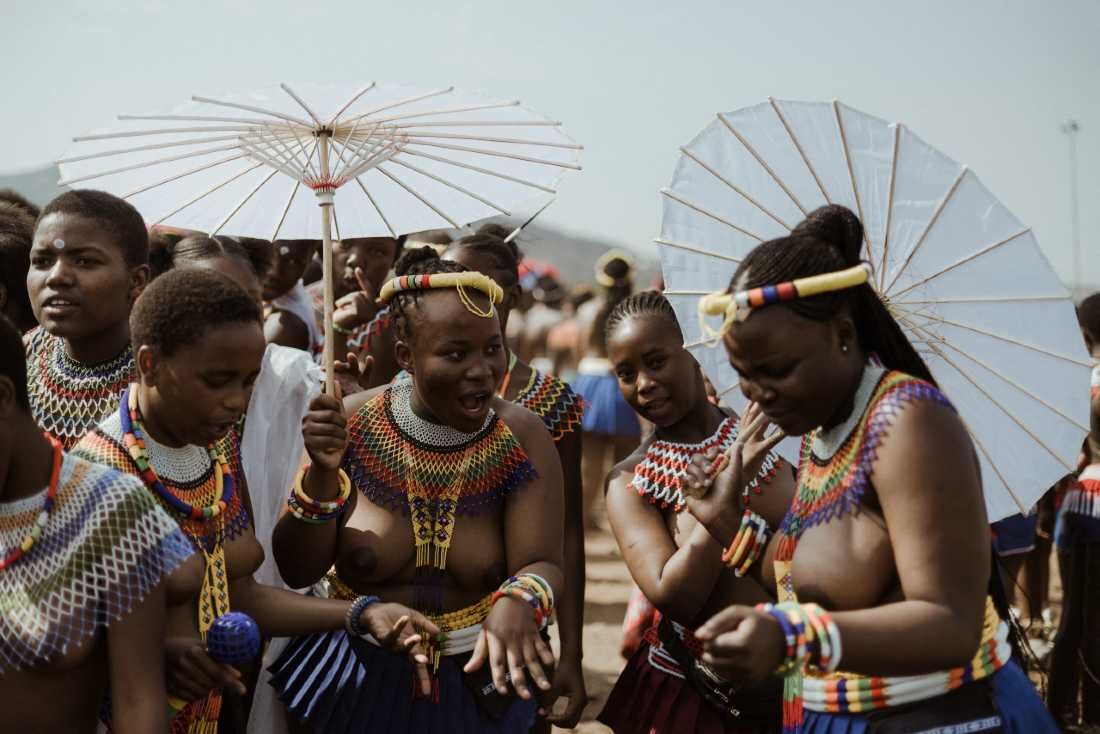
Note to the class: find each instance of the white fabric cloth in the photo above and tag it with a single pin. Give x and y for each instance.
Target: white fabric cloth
(298, 302)
(271, 452)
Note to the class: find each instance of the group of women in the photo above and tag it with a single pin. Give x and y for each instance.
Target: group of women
(436, 518)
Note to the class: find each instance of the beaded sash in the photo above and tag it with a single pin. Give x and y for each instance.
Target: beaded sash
(69, 399)
(105, 545)
(659, 476)
(554, 401)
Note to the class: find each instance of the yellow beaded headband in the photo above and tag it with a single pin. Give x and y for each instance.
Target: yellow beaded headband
(606, 280)
(737, 306)
(459, 281)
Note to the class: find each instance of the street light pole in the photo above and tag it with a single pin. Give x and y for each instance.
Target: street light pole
(1071, 128)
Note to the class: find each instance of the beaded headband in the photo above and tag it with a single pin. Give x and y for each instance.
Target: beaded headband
(458, 281)
(606, 280)
(738, 305)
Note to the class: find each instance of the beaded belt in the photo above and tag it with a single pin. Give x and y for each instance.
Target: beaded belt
(843, 692)
(458, 629)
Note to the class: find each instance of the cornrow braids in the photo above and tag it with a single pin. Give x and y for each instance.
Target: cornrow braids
(830, 239)
(646, 303)
(417, 261)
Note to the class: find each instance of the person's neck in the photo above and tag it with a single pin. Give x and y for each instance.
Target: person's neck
(101, 347)
(421, 409)
(29, 463)
(700, 423)
(847, 405)
(151, 421)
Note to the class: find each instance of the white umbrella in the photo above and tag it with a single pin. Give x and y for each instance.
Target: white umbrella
(382, 159)
(964, 278)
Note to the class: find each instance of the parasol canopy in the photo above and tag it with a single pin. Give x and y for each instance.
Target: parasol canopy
(963, 277)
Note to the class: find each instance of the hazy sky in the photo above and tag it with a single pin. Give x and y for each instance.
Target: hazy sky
(986, 82)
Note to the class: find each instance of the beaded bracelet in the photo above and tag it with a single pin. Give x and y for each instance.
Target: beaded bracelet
(748, 544)
(305, 508)
(534, 591)
(355, 611)
(813, 640)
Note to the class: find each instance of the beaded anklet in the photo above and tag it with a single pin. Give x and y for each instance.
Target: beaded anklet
(316, 512)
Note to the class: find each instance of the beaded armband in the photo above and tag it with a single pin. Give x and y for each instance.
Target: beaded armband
(534, 591)
(305, 508)
(813, 640)
(748, 544)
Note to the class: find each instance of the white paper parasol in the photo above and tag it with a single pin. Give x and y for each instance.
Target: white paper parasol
(964, 278)
(383, 160)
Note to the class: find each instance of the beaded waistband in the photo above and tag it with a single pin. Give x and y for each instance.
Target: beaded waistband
(458, 629)
(844, 692)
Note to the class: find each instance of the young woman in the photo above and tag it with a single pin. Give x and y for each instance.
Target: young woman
(451, 502)
(360, 267)
(561, 410)
(83, 554)
(88, 264)
(611, 428)
(1076, 656)
(198, 344)
(883, 561)
(679, 567)
(289, 319)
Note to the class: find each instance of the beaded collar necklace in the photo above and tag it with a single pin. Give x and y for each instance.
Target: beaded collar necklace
(14, 554)
(133, 439)
(424, 431)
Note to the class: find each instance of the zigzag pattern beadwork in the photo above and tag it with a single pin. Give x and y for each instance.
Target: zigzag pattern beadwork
(554, 401)
(69, 399)
(828, 489)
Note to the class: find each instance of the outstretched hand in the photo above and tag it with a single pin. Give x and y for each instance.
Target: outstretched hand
(511, 643)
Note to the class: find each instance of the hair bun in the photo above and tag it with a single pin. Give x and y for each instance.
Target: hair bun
(837, 226)
(414, 261)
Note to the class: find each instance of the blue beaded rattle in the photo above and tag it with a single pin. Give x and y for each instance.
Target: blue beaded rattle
(233, 639)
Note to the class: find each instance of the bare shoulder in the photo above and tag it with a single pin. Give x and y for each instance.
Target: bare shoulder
(525, 425)
(622, 474)
(352, 403)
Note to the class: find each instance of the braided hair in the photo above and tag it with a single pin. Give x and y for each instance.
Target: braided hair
(646, 303)
(618, 269)
(417, 261)
(16, 237)
(167, 252)
(830, 239)
(506, 256)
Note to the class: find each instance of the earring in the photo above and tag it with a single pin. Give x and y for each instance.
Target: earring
(844, 348)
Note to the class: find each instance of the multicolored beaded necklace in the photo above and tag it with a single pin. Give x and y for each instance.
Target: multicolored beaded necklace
(659, 476)
(202, 716)
(14, 554)
(554, 401)
(68, 399)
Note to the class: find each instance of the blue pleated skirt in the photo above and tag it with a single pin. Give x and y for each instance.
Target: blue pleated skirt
(605, 410)
(1020, 708)
(338, 688)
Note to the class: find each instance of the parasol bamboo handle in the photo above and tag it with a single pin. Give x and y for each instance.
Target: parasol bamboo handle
(325, 201)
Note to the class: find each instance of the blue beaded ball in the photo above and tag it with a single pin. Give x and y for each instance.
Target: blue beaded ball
(233, 639)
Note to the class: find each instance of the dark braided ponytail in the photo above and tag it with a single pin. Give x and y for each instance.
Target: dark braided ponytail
(830, 239)
(646, 303)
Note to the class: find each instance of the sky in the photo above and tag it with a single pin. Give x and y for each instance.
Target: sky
(988, 83)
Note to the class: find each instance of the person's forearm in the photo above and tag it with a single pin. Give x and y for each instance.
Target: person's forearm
(571, 608)
(906, 638)
(291, 535)
(282, 613)
(695, 565)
